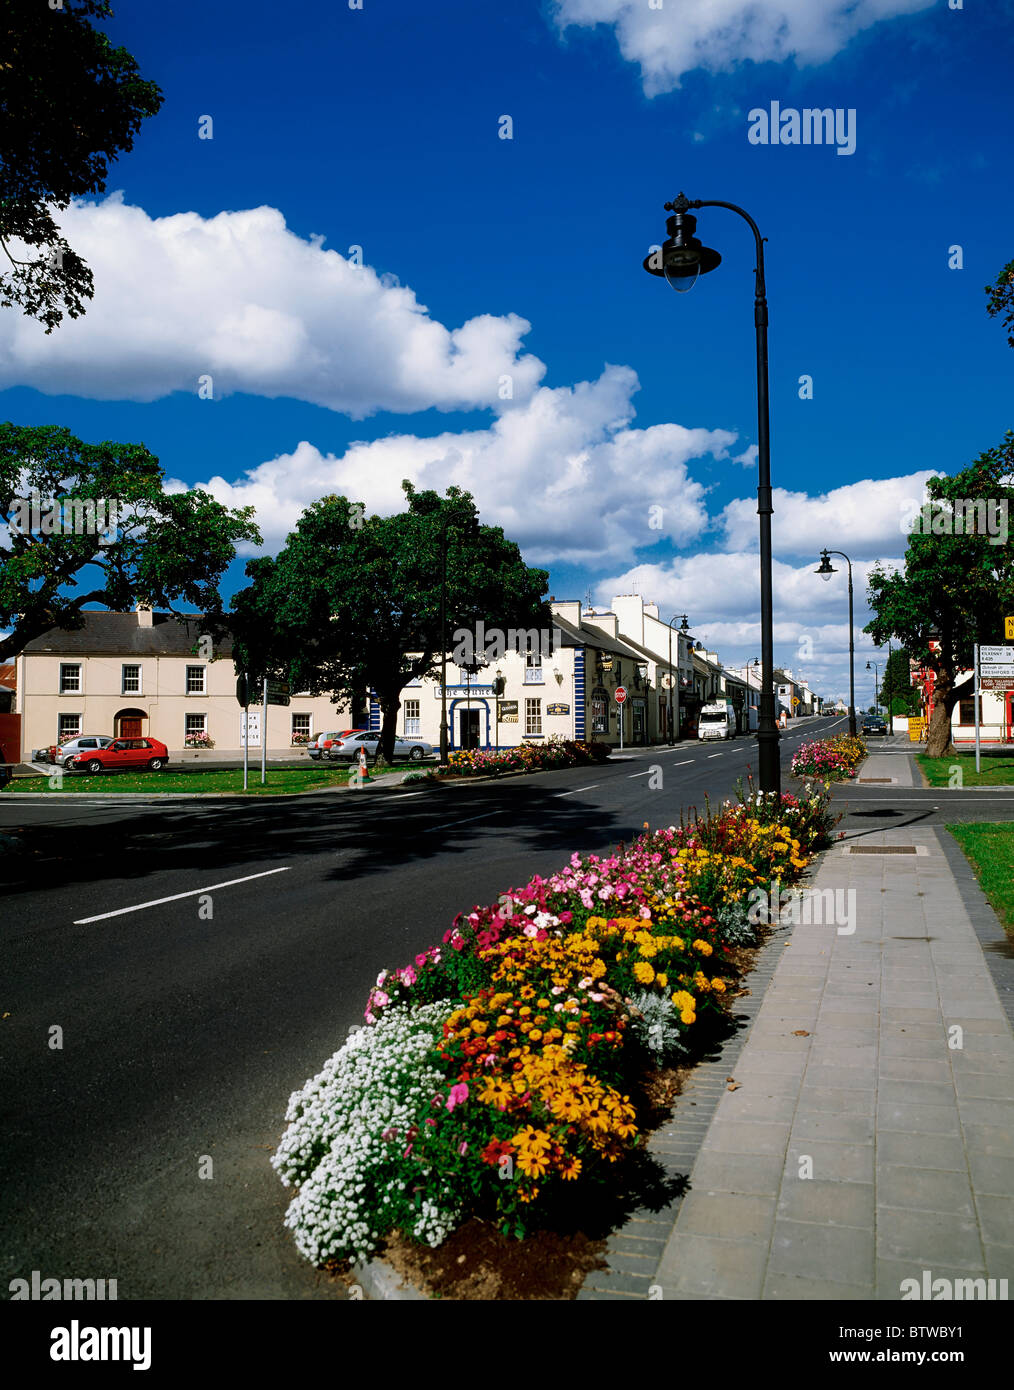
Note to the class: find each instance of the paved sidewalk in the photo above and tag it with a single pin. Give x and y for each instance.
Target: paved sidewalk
(871, 1135)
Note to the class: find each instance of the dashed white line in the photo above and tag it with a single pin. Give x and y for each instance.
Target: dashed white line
(580, 789)
(448, 825)
(157, 902)
(716, 755)
(686, 763)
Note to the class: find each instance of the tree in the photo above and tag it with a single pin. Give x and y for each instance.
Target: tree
(353, 601)
(1001, 297)
(69, 103)
(957, 582)
(91, 523)
(896, 689)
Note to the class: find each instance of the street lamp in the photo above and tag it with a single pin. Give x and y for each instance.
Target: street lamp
(825, 571)
(684, 629)
(681, 260)
(876, 682)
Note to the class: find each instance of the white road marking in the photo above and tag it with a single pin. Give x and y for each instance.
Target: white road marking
(638, 774)
(683, 764)
(450, 824)
(580, 789)
(716, 755)
(157, 902)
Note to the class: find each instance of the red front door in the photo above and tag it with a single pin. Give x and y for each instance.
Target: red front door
(130, 728)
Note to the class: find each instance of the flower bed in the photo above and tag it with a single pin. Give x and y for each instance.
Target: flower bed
(527, 757)
(834, 759)
(498, 1072)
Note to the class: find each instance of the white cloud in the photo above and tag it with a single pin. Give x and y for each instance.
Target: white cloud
(564, 474)
(865, 519)
(721, 34)
(241, 297)
(720, 593)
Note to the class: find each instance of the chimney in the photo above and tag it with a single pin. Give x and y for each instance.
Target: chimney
(145, 617)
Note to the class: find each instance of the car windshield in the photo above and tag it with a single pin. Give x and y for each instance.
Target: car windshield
(713, 718)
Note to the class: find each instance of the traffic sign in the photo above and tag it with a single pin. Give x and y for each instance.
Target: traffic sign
(1008, 628)
(620, 695)
(992, 656)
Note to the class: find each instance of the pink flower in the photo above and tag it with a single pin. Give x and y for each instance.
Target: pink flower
(463, 1147)
(408, 975)
(380, 998)
(458, 1095)
(420, 961)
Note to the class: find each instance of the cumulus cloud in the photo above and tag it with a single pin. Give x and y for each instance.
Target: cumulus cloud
(867, 518)
(565, 474)
(720, 593)
(240, 297)
(719, 35)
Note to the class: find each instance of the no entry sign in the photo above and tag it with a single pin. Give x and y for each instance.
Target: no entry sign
(621, 694)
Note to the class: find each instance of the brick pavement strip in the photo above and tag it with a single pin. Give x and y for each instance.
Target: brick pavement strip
(877, 1147)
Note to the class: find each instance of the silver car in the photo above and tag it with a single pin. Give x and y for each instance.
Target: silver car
(61, 753)
(405, 749)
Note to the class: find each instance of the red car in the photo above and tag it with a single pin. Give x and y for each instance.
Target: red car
(123, 754)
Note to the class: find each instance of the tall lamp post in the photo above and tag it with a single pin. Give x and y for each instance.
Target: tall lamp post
(681, 260)
(684, 629)
(872, 666)
(825, 571)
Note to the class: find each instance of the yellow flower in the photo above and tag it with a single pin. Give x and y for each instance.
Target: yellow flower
(702, 948)
(643, 972)
(662, 978)
(479, 1025)
(718, 986)
(571, 1168)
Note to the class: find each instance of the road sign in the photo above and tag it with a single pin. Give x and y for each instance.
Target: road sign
(242, 690)
(997, 682)
(795, 699)
(992, 656)
(620, 695)
(278, 692)
(1008, 628)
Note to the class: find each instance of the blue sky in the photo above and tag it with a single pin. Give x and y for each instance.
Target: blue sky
(378, 128)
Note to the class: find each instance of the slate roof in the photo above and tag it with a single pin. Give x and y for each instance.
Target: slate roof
(120, 634)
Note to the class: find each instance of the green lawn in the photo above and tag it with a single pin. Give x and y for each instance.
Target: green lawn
(990, 850)
(193, 779)
(997, 770)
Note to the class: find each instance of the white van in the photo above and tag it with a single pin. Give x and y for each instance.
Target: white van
(717, 720)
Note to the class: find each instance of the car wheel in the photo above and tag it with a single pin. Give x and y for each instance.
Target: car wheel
(94, 765)
(416, 755)
(155, 764)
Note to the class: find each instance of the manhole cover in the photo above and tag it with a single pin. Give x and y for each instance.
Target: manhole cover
(882, 849)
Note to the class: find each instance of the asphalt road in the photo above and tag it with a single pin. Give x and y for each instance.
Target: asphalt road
(183, 1037)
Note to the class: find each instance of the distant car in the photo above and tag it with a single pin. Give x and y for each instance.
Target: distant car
(346, 750)
(324, 741)
(873, 724)
(122, 755)
(62, 754)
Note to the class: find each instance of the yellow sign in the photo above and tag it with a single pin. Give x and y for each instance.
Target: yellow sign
(915, 729)
(1008, 628)
(795, 699)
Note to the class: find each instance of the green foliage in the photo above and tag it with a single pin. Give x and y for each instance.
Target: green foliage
(69, 103)
(896, 685)
(954, 587)
(353, 601)
(1000, 299)
(165, 549)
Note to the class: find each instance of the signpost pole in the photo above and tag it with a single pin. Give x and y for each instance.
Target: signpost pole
(264, 735)
(978, 700)
(246, 733)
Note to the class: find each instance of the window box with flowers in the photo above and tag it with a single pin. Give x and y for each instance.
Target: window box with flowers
(198, 739)
(300, 738)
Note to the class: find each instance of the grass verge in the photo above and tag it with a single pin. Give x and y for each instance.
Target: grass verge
(194, 781)
(997, 770)
(990, 850)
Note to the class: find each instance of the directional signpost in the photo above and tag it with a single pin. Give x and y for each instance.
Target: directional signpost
(994, 670)
(272, 693)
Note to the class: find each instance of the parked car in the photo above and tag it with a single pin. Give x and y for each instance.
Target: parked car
(346, 750)
(323, 741)
(6, 772)
(874, 724)
(122, 755)
(62, 754)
